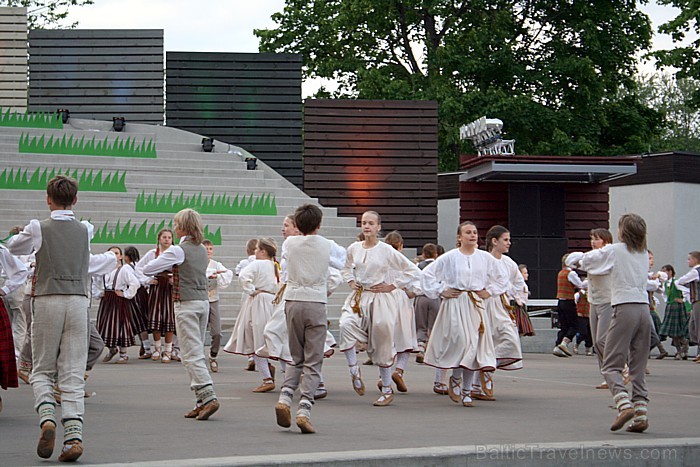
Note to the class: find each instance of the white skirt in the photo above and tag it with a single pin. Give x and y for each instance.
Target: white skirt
(248, 332)
(375, 328)
(457, 341)
(504, 331)
(405, 339)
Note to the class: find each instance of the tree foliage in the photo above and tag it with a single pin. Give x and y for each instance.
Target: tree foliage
(672, 97)
(686, 58)
(47, 14)
(552, 70)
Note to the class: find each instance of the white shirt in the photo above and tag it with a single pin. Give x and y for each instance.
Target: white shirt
(173, 256)
(245, 262)
(224, 277)
(30, 240)
(369, 266)
(127, 283)
(14, 269)
(628, 271)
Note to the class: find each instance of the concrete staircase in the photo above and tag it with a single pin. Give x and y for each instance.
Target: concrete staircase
(180, 166)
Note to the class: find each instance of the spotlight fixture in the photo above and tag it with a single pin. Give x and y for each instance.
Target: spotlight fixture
(118, 123)
(207, 144)
(487, 136)
(251, 163)
(64, 113)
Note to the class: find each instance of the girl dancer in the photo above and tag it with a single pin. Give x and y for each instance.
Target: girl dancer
(369, 313)
(628, 337)
(504, 331)
(522, 319)
(676, 317)
(259, 280)
(139, 313)
(114, 316)
(161, 315)
(405, 339)
(461, 338)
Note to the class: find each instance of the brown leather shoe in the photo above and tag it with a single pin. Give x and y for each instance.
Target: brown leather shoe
(207, 410)
(623, 417)
(251, 365)
(361, 390)
(272, 371)
(193, 413)
(385, 399)
(440, 388)
(397, 378)
(481, 397)
(266, 386)
(638, 426)
(305, 425)
(455, 396)
(44, 448)
(284, 415)
(602, 385)
(71, 451)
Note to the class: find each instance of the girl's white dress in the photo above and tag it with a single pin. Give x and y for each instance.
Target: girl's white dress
(256, 311)
(375, 325)
(461, 336)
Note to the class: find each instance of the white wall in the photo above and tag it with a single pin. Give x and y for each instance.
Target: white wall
(448, 220)
(672, 214)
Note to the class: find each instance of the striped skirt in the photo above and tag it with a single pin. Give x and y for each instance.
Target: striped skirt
(139, 311)
(114, 320)
(522, 319)
(8, 366)
(161, 309)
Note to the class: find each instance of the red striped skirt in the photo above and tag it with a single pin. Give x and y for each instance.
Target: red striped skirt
(114, 320)
(8, 365)
(161, 309)
(522, 319)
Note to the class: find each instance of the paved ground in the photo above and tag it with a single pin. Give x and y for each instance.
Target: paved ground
(136, 413)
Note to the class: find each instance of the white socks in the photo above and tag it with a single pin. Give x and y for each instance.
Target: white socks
(385, 375)
(440, 375)
(351, 357)
(401, 360)
(262, 366)
(169, 347)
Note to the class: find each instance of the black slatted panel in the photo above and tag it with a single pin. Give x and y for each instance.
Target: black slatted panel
(98, 74)
(246, 99)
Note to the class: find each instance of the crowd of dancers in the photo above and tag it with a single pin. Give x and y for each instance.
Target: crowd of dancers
(462, 312)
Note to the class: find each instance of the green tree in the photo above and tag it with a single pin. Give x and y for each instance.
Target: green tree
(47, 14)
(686, 58)
(552, 70)
(672, 97)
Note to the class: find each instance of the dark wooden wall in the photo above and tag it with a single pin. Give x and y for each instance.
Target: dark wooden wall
(679, 166)
(364, 155)
(98, 74)
(245, 99)
(13, 57)
(587, 207)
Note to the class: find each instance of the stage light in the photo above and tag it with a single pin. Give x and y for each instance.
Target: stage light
(64, 113)
(251, 163)
(487, 137)
(118, 123)
(207, 144)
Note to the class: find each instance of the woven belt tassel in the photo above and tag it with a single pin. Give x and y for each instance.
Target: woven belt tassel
(278, 298)
(355, 302)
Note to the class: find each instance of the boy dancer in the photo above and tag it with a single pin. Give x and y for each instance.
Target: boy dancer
(218, 277)
(60, 322)
(308, 258)
(189, 262)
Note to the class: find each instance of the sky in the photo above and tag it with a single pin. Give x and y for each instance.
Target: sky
(227, 25)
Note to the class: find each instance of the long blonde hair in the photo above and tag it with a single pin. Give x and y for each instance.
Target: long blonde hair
(190, 222)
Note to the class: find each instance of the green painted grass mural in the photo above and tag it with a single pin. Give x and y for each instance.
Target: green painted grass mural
(79, 147)
(251, 205)
(31, 120)
(88, 180)
(141, 234)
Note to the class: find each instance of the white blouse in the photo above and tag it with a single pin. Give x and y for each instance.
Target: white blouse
(456, 270)
(372, 266)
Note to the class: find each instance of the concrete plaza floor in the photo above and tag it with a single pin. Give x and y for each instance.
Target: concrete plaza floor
(136, 416)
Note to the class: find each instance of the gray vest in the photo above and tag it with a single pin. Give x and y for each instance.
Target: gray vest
(193, 272)
(62, 261)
